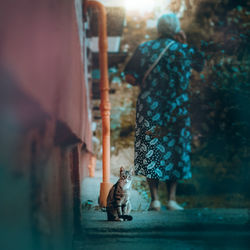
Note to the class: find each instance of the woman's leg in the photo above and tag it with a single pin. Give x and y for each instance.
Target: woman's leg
(171, 186)
(155, 204)
(153, 186)
(172, 204)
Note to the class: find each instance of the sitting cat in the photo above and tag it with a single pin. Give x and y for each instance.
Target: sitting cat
(118, 204)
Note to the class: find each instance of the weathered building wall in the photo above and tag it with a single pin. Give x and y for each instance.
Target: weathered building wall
(44, 124)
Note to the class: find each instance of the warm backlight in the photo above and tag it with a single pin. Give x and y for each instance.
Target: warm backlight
(140, 5)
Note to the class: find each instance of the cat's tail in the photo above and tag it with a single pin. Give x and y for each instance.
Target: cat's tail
(126, 217)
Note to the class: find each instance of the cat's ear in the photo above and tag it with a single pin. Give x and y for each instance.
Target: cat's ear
(122, 169)
(132, 172)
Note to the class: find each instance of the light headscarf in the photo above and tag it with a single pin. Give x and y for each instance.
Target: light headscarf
(168, 25)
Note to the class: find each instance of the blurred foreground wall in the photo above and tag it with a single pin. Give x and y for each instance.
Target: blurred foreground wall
(44, 126)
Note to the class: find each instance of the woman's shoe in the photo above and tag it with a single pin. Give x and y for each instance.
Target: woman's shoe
(173, 205)
(155, 206)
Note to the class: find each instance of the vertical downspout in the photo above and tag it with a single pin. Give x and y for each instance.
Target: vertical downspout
(105, 104)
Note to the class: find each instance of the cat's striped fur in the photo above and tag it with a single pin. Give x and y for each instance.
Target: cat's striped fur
(118, 204)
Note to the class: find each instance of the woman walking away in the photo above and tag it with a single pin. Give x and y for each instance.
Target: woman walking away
(162, 135)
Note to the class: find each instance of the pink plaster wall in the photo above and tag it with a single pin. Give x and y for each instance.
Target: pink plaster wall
(40, 49)
(44, 126)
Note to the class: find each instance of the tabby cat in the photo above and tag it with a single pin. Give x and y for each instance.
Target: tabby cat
(118, 204)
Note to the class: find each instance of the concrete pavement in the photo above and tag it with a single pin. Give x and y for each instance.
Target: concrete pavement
(188, 229)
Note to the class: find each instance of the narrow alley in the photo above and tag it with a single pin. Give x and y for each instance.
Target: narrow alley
(154, 94)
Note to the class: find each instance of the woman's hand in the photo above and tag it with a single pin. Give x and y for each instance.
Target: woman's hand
(181, 37)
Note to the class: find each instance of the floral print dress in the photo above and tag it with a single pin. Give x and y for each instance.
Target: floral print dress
(162, 133)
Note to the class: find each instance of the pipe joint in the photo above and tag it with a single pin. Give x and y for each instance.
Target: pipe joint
(105, 106)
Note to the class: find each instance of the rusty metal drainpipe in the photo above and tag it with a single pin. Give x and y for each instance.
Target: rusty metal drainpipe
(105, 104)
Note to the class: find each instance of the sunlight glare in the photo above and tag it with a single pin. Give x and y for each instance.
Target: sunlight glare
(140, 5)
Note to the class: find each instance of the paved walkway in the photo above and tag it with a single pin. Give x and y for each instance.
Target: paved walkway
(188, 229)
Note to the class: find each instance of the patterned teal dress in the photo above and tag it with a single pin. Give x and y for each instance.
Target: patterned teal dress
(162, 133)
